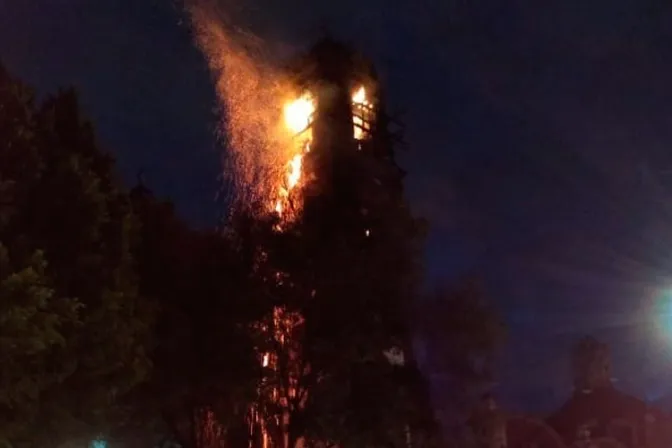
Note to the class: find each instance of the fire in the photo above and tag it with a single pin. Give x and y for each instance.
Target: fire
(298, 115)
(361, 105)
(359, 97)
(294, 174)
(267, 134)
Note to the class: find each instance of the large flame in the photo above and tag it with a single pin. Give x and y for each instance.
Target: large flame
(298, 115)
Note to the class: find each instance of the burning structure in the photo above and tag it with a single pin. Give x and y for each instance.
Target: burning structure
(337, 111)
(311, 154)
(339, 191)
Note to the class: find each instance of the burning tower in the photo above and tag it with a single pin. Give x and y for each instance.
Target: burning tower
(341, 199)
(338, 116)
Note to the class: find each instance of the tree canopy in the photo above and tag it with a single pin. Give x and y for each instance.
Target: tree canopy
(74, 329)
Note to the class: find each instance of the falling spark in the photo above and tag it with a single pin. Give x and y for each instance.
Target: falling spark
(252, 93)
(267, 134)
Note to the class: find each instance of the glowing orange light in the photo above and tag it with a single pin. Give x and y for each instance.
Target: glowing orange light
(359, 97)
(361, 103)
(294, 171)
(298, 115)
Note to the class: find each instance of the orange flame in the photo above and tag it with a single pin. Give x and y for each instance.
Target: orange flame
(298, 115)
(361, 105)
(267, 135)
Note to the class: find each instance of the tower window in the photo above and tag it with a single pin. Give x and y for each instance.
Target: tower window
(362, 113)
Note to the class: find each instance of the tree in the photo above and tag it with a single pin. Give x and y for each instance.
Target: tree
(68, 281)
(32, 319)
(461, 333)
(205, 372)
(352, 284)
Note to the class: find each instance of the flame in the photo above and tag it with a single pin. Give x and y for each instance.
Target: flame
(359, 97)
(267, 134)
(298, 115)
(361, 105)
(294, 174)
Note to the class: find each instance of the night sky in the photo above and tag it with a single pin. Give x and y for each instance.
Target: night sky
(540, 140)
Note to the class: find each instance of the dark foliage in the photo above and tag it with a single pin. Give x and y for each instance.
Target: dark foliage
(204, 358)
(461, 334)
(74, 329)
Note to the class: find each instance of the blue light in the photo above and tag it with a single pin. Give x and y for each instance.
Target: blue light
(99, 444)
(664, 312)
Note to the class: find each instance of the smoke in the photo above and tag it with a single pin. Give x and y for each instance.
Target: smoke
(251, 91)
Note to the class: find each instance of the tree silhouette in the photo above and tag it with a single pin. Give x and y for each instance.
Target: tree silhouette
(205, 370)
(461, 334)
(74, 329)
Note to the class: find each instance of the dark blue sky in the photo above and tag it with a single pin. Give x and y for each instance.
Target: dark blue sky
(540, 135)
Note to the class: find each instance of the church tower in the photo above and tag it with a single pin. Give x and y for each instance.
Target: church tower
(349, 113)
(591, 365)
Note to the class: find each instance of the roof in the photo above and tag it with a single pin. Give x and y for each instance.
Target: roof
(604, 405)
(524, 431)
